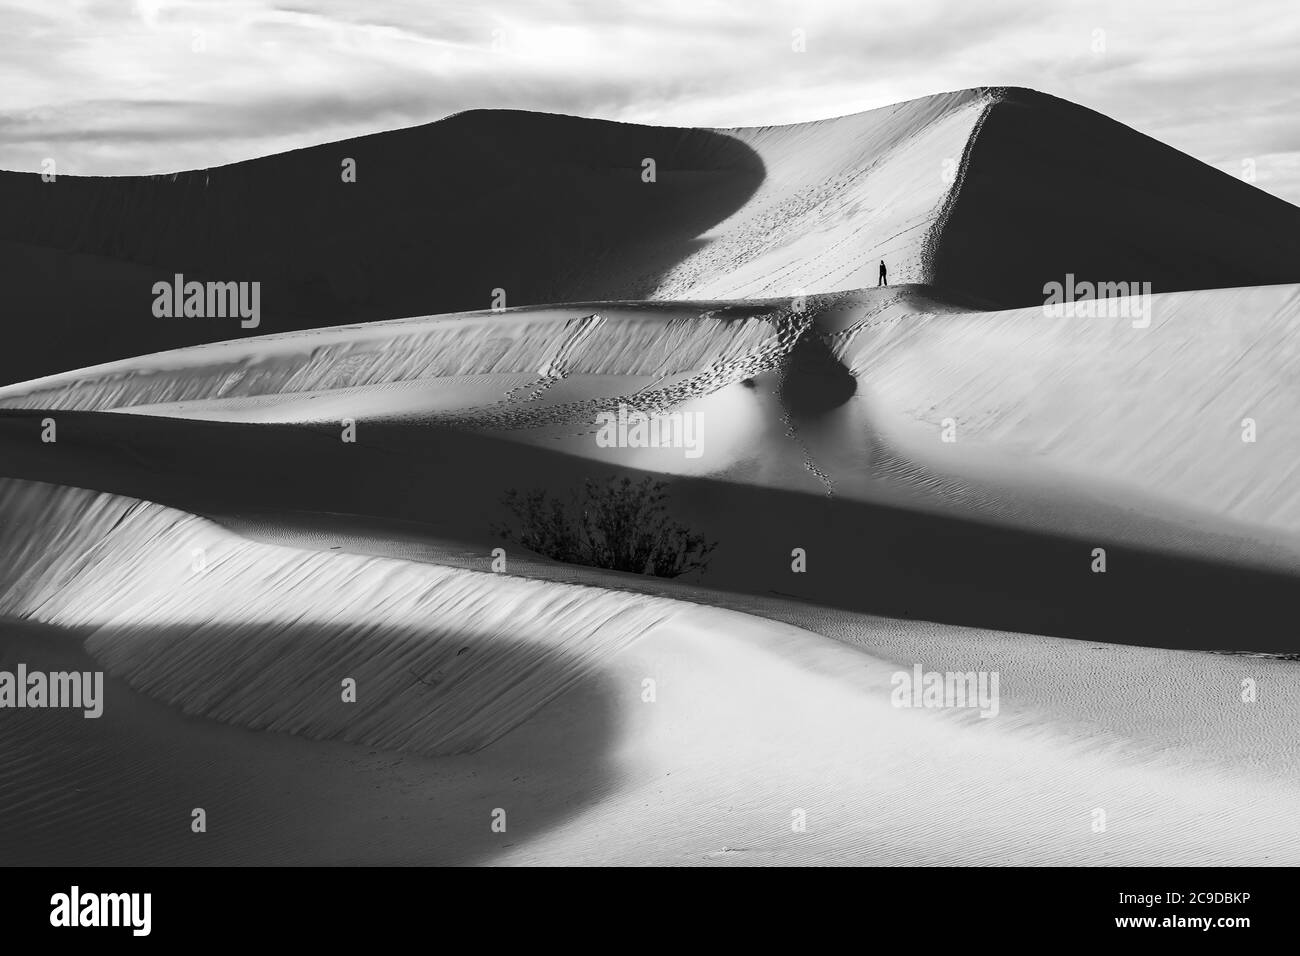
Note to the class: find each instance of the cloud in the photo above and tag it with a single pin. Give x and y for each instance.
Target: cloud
(160, 85)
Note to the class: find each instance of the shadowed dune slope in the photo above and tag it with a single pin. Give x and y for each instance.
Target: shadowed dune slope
(1050, 188)
(547, 208)
(907, 548)
(543, 207)
(957, 190)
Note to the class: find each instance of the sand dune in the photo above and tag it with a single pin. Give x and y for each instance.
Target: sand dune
(824, 422)
(546, 208)
(751, 726)
(156, 588)
(1163, 409)
(1105, 690)
(235, 522)
(950, 190)
(1073, 395)
(537, 347)
(1049, 188)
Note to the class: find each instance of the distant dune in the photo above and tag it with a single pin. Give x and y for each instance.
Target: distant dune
(1051, 188)
(987, 193)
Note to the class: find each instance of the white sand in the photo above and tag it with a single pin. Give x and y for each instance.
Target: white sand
(752, 720)
(227, 644)
(1159, 409)
(1058, 423)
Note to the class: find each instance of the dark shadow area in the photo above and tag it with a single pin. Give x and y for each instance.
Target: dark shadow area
(120, 789)
(871, 558)
(814, 380)
(549, 208)
(1052, 188)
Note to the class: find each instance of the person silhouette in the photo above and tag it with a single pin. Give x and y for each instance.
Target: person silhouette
(884, 279)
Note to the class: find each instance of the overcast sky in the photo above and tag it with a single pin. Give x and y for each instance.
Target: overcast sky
(156, 85)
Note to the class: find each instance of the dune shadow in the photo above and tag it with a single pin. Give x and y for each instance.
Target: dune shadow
(815, 380)
(1045, 183)
(122, 789)
(874, 558)
(484, 208)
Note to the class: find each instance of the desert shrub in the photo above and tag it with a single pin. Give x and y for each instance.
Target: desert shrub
(620, 525)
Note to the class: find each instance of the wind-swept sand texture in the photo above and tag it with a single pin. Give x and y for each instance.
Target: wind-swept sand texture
(466, 408)
(522, 352)
(1161, 408)
(157, 590)
(1108, 690)
(747, 727)
(860, 387)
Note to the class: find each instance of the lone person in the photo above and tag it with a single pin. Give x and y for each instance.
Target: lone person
(884, 279)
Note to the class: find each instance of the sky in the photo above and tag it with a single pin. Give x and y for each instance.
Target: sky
(121, 87)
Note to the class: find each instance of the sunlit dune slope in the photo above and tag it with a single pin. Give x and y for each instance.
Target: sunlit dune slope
(854, 392)
(1192, 403)
(458, 361)
(608, 727)
(444, 660)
